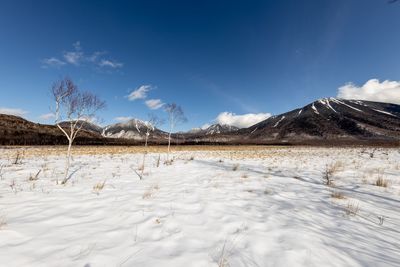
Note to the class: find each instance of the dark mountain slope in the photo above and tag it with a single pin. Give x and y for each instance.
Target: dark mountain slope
(331, 119)
(325, 121)
(18, 131)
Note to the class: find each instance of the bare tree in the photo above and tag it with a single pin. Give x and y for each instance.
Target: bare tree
(75, 108)
(175, 117)
(151, 124)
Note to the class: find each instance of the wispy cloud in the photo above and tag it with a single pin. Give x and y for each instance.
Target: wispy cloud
(73, 57)
(111, 64)
(13, 111)
(154, 103)
(94, 57)
(140, 92)
(52, 62)
(373, 90)
(47, 116)
(123, 118)
(241, 121)
(78, 57)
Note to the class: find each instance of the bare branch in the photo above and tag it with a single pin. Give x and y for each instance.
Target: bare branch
(153, 122)
(76, 107)
(175, 114)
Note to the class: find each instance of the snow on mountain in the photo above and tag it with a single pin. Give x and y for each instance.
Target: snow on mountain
(132, 129)
(324, 120)
(86, 125)
(214, 129)
(220, 128)
(331, 118)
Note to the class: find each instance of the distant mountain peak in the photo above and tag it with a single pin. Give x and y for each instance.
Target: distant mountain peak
(331, 118)
(131, 129)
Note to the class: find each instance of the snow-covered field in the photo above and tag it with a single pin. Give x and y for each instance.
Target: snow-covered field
(233, 207)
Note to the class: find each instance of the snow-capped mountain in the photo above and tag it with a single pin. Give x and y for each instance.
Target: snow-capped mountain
(330, 119)
(220, 129)
(325, 121)
(133, 129)
(213, 130)
(86, 125)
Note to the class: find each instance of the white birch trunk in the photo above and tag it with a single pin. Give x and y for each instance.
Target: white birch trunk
(169, 144)
(144, 154)
(68, 161)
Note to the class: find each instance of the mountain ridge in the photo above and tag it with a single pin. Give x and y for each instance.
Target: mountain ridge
(326, 120)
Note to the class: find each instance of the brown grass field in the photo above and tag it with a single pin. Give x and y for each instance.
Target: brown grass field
(35, 151)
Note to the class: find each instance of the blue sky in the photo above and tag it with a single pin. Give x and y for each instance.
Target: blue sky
(209, 57)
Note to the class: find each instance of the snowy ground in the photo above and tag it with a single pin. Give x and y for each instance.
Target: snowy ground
(247, 207)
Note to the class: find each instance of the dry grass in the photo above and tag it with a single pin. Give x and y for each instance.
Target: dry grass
(17, 158)
(223, 261)
(1, 171)
(149, 193)
(13, 186)
(330, 171)
(3, 222)
(337, 194)
(327, 176)
(381, 182)
(169, 162)
(352, 208)
(35, 177)
(158, 161)
(235, 167)
(99, 186)
(45, 151)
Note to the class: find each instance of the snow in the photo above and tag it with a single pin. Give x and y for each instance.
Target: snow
(315, 109)
(327, 104)
(299, 112)
(342, 103)
(358, 102)
(244, 206)
(255, 129)
(277, 123)
(384, 112)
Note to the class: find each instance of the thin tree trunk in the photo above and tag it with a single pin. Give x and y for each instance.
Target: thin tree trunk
(144, 155)
(67, 163)
(169, 145)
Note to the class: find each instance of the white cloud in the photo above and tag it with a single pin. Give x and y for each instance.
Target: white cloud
(13, 111)
(123, 119)
(47, 116)
(53, 62)
(372, 90)
(111, 64)
(139, 93)
(241, 121)
(154, 103)
(95, 56)
(77, 46)
(73, 57)
(78, 56)
(205, 126)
